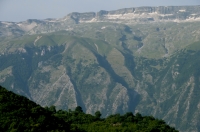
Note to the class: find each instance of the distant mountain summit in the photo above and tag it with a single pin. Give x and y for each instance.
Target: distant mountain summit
(126, 16)
(141, 14)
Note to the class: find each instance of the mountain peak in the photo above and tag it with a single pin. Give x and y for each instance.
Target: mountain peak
(141, 14)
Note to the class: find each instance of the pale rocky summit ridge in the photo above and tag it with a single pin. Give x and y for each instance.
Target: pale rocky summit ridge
(140, 14)
(126, 15)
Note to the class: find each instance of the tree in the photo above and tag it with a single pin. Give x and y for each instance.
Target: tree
(138, 117)
(78, 109)
(52, 109)
(97, 115)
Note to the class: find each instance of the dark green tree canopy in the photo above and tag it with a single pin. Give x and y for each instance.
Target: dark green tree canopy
(78, 109)
(17, 113)
(98, 114)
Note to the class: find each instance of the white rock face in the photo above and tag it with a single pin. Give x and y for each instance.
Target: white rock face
(5, 74)
(22, 50)
(38, 37)
(27, 27)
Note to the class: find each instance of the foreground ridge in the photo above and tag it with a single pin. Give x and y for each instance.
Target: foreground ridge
(20, 114)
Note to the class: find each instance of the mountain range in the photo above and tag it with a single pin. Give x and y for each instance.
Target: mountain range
(143, 59)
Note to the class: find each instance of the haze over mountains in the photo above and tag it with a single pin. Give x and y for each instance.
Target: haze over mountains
(143, 59)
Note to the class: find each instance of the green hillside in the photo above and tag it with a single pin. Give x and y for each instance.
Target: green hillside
(111, 67)
(17, 113)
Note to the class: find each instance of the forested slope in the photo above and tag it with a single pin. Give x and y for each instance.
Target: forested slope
(17, 113)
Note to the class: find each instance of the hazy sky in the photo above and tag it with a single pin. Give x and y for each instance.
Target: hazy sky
(21, 10)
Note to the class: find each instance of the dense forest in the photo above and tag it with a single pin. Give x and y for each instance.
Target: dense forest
(17, 113)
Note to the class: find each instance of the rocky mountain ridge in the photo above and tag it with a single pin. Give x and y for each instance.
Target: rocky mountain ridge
(126, 16)
(141, 14)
